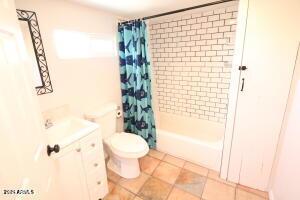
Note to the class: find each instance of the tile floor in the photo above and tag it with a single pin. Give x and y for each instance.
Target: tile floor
(165, 177)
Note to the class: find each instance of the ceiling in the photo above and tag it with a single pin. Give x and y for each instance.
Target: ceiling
(140, 8)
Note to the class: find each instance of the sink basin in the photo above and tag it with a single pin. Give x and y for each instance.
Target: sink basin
(69, 130)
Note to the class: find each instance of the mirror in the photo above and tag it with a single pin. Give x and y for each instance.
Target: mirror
(34, 45)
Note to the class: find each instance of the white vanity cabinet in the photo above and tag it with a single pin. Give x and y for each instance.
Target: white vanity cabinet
(81, 169)
(94, 164)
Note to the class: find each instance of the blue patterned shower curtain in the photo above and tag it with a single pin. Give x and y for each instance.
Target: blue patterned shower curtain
(136, 81)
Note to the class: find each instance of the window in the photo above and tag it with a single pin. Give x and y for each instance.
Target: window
(74, 44)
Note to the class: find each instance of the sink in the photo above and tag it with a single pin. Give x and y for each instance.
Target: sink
(69, 130)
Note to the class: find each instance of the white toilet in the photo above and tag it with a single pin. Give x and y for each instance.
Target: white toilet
(123, 149)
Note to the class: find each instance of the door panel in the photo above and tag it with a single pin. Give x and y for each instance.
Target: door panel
(23, 145)
(269, 53)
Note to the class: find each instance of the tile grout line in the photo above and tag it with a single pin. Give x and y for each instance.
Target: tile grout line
(235, 191)
(117, 184)
(137, 194)
(198, 173)
(207, 177)
(204, 185)
(252, 192)
(150, 176)
(181, 169)
(156, 167)
(173, 185)
(221, 182)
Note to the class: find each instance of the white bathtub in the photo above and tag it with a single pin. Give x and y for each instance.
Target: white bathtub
(197, 141)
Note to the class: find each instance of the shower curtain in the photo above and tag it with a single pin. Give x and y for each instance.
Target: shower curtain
(136, 81)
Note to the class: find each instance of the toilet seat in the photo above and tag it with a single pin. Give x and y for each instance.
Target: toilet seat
(128, 145)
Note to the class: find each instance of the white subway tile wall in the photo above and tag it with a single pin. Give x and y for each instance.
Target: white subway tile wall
(192, 58)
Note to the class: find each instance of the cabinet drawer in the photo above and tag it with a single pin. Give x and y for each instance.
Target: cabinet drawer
(92, 143)
(95, 179)
(96, 175)
(93, 161)
(98, 187)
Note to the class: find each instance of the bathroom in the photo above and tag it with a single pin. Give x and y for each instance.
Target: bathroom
(210, 113)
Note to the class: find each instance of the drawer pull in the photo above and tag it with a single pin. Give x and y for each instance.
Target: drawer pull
(96, 164)
(78, 150)
(99, 182)
(93, 145)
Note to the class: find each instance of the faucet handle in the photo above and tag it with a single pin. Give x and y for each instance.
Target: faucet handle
(48, 123)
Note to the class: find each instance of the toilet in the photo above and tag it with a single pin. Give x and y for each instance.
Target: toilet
(123, 149)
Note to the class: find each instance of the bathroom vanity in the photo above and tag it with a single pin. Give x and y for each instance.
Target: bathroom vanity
(80, 164)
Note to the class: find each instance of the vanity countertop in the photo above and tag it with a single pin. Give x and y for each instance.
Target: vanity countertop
(69, 130)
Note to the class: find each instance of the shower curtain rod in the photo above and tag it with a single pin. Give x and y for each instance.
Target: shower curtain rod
(178, 11)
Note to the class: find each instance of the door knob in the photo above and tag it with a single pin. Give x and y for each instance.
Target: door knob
(50, 149)
(242, 68)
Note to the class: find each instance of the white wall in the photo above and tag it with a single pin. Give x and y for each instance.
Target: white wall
(80, 83)
(285, 177)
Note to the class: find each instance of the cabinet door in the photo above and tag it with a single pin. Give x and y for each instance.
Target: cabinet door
(71, 174)
(270, 49)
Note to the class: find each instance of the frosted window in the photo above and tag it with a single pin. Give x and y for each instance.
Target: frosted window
(72, 44)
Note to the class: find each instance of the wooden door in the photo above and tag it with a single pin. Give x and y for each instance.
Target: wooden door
(26, 172)
(270, 47)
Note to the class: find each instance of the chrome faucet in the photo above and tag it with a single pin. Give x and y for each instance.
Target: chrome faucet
(48, 123)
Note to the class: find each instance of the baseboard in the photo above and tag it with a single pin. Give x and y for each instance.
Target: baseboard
(271, 195)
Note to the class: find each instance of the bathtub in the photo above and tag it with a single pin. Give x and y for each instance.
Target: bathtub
(195, 140)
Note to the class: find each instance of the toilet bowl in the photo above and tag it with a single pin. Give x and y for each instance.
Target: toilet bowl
(123, 149)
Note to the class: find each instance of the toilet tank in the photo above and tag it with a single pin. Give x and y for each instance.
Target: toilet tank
(106, 117)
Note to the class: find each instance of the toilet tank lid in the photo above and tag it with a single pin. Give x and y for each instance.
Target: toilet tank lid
(101, 111)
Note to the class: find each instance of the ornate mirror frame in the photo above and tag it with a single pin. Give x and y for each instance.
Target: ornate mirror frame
(31, 18)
